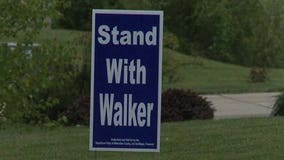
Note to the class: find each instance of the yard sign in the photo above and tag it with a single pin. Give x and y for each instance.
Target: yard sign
(126, 80)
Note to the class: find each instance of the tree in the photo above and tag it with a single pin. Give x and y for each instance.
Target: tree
(26, 16)
(246, 32)
(33, 86)
(275, 11)
(77, 14)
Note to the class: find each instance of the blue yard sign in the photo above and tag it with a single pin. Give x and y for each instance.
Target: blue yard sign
(126, 80)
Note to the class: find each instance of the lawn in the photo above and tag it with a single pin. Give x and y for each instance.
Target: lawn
(208, 76)
(238, 139)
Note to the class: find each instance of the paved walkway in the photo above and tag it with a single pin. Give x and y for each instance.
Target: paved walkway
(242, 105)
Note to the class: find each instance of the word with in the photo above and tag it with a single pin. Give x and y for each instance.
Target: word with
(133, 72)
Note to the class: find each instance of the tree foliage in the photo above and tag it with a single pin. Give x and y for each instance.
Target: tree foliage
(34, 87)
(25, 16)
(246, 32)
(36, 83)
(77, 14)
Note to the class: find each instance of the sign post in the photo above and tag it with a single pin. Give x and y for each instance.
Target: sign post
(126, 80)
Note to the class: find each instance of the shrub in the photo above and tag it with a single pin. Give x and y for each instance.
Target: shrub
(84, 77)
(171, 41)
(170, 68)
(37, 88)
(173, 61)
(2, 109)
(79, 113)
(258, 74)
(278, 108)
(180, 105)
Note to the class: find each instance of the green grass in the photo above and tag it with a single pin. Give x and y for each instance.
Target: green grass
(239, 139)
(208, 76)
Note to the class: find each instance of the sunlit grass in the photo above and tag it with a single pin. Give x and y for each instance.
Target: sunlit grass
(208, 76)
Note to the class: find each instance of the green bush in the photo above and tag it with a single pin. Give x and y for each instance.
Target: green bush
(172, 62)
(84, 77)
(278, 108)
(79, 112)
(180, 105)
(170, 67)
(258, 74)
(2, 109)
(38, 87)
(171, 41)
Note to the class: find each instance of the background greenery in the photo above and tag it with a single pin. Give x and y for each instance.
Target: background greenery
(201, 37)
(210, 46)
(246, 32)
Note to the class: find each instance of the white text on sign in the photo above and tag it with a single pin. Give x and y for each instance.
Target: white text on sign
(133, 72)
(127, 113)
(124, 37)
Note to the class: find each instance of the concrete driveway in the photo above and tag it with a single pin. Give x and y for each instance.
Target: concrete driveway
(243, 105)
